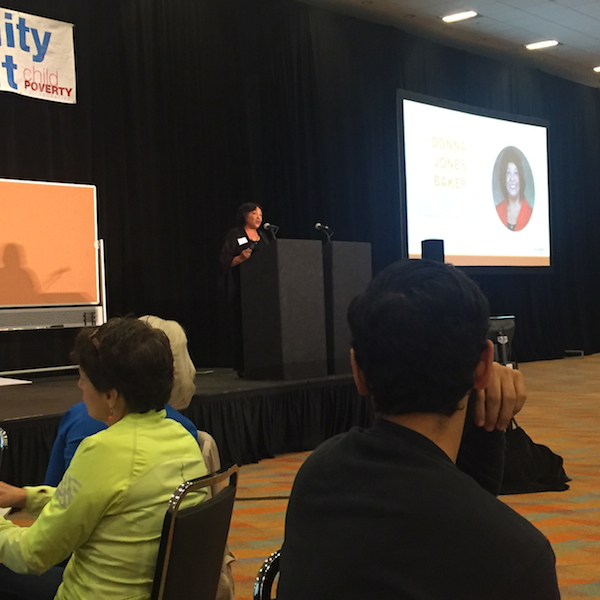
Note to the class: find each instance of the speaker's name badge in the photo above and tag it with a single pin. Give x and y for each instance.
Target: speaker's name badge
(242, 241)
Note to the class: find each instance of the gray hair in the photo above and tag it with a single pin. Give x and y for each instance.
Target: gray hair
(184, 371)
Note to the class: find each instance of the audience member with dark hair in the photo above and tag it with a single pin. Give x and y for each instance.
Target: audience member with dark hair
(77, 424)
(241, 242)
(514, 210)
(384, 512)
(107, 512)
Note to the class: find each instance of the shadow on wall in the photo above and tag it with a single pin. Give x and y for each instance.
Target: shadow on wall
(20, 285)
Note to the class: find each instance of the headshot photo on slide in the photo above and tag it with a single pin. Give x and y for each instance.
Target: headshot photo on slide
(513, 188)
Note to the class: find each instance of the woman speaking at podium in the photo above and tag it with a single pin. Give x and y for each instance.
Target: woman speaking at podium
(241, 243)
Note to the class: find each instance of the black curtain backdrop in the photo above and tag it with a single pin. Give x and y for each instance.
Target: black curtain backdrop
(189, 108)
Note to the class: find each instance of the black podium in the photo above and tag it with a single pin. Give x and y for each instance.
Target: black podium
(347, 272)
(283, 311)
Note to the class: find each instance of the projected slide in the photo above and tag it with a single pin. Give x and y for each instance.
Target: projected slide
(478, 183)
(47, 244)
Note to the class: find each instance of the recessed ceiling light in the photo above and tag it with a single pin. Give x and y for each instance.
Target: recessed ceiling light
(461, 16)
(597, 69)
(540, 45)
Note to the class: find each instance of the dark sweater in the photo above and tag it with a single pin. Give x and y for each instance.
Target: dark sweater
(383, 513)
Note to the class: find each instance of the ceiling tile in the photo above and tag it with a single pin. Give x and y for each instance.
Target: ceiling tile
(592, 10)
(551, 14)
(575, 3)
(525, 3)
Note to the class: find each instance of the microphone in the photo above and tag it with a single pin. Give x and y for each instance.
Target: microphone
(325, 229)
(272, 228)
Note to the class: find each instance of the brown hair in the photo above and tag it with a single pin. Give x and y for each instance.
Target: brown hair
(511, 155)
(131, 357)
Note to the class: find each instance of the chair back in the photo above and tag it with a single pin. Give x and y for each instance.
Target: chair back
(266, 576)
(193, 541)
(212, 459)
(3, 443)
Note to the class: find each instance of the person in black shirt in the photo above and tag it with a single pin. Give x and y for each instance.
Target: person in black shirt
(384, 512)
(241, 242)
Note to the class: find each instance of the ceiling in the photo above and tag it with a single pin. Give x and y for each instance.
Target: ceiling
(501, 30)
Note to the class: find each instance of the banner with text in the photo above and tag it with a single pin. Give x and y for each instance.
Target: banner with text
(37, 57)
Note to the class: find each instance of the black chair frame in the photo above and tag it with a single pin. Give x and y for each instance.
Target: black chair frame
(3, 443)
(266, 576)
(223, 501)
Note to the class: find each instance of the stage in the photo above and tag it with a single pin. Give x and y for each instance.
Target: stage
(249, 420)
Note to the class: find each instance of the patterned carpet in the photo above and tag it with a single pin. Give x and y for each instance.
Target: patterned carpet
(257, 525)
(562, 411)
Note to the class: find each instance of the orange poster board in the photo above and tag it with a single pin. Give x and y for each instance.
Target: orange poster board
(48, 234)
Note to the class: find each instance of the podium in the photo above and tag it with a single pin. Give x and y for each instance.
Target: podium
(347, 272)
(283, 311)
